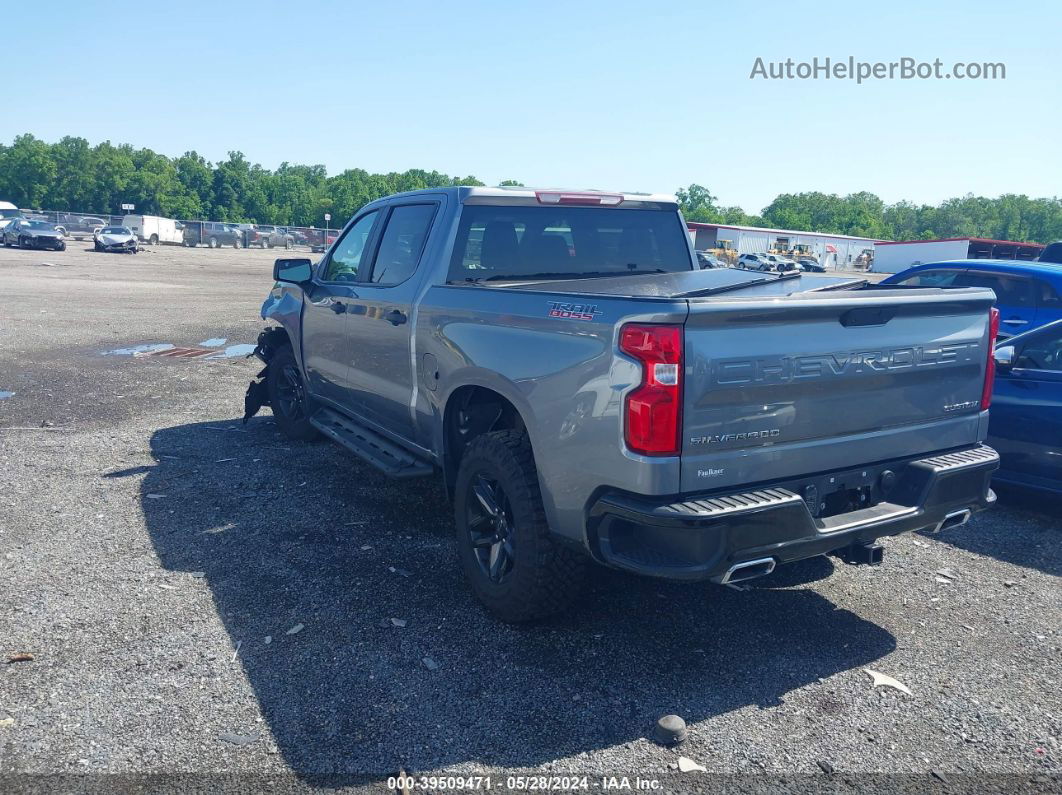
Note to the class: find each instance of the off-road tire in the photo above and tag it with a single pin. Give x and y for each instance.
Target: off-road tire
(295, 425)
(546, 576)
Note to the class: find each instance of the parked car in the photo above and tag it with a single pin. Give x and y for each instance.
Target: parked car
(776, 262)
(1052, 253)
(1026, 418)
(212, 234)
(152, 229)
(275, 237)
(116, 238)
(9, 210)
(810, 266)
(1028, 294)
(29, 233)
(588, 393)
(706, 260)
(753, 262)
(81, 226)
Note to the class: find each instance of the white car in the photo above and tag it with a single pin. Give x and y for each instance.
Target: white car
(754, 262)
(116, 238)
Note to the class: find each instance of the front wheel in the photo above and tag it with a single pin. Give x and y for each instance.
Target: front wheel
(236, 243)
(213, 242)
(61, 246)
(517, 570)
(287, 245)
(287, 396)
(154, 240)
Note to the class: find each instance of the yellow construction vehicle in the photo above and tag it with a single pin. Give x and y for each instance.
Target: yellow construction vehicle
(724, 250)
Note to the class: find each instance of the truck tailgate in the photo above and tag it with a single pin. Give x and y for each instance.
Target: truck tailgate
(822, 381)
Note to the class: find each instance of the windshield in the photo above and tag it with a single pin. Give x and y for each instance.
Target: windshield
(115, 230)
(520, 242)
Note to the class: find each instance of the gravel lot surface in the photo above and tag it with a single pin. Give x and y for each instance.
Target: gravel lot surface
(202, 596)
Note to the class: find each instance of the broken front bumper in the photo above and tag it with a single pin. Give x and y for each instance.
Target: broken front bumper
(712, 537)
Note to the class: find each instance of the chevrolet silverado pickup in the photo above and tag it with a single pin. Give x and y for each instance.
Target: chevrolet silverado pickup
(588, 393)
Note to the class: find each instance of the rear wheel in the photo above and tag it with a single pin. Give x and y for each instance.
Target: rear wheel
(237, 243)
(154, 240)
(61, 246)
(213, 242)
(287, 244)
(288, 397)
(517, 570)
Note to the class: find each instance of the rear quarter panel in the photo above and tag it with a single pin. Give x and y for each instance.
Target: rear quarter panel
(563, 375)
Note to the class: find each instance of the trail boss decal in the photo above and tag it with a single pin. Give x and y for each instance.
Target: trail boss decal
(573, 311)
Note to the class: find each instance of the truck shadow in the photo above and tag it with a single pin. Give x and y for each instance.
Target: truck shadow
(288, 534)
(1022, 529)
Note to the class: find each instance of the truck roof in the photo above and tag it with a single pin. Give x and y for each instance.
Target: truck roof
(465, 192)
(996, 265)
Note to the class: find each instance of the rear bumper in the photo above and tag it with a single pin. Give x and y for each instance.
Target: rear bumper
(705, 538)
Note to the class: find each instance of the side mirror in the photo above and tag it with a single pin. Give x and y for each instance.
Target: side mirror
(1004, 357)
(293, 271)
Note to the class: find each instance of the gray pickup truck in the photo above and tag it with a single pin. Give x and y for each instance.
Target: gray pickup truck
(589, 394)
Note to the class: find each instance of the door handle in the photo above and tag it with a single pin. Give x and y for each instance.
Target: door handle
(338, 307)
(395, 318)
(1016, 321)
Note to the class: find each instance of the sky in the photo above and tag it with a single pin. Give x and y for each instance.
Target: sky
(614, 95)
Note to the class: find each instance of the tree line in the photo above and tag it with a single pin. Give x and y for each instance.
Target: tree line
(1008, 217)
(72, 175)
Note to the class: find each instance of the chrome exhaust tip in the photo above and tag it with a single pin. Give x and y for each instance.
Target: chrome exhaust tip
(748, 570)
(954, 519)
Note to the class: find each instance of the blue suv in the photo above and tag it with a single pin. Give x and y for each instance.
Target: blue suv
(1028, 294)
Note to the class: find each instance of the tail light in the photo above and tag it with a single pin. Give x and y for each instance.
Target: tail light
(990, 366)
(654, 408)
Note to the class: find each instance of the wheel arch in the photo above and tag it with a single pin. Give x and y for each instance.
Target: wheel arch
(472, 410)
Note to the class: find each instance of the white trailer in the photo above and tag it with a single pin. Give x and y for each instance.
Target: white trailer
(894, 257)
(154, 230)
(899, 256)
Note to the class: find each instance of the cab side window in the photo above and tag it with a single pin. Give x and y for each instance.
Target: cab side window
(937, 278)
(345, 260)
(1013, 291)
(402, 242)
(1042, 352)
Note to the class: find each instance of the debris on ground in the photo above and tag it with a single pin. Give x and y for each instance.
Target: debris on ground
(295, 630)
(951, 575)
(400, 572)
(430, 664)
(689, 766)
(20, 656)
(7, 722)
(670, 730)
(396, 622)
(1009, 583)
(237, 739)
(884, 680)
(267, 639)
(825, 766)
(197, 574)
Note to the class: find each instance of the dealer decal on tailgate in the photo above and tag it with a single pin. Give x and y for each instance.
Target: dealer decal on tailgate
(573, 311)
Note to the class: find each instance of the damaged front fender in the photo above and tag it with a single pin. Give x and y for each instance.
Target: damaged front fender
(257, 395)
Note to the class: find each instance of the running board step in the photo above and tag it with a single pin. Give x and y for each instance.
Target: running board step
(369, 445)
